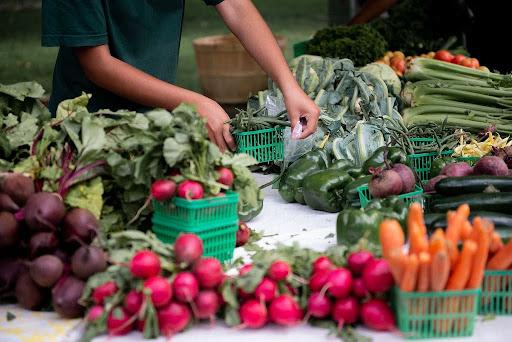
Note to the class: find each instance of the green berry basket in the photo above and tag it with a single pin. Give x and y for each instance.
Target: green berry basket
(496, 298)
(365, 197)
(264, 145)
(422, 315)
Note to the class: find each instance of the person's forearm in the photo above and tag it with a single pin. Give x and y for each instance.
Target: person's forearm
(244, 20)
(371, 10)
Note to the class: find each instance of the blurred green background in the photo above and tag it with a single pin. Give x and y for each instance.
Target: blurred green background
(22, 58)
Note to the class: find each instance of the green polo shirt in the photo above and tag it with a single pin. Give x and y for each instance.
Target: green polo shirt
(143, 33)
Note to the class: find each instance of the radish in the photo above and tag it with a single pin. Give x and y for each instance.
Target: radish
(118, 322)
(208, 272)
(319, 306)
(190, 190)
(357, 261)
(103, 291)
(279, 270)
(161, 290)
(173, 318)
(385, 183)
(359, 288)
(377, 315)
(318, 280)
(345, 311)
(133, 302)
(284, 310)
(266, 290)
(163, 189)
(185, 287)
(242, 234)
(226, 176)
(339, 282)
(95, 312)
(140, 325)
(145, 264)
(245, 269)
(322, 263)
(377, 276)
(253, 314)
(188, 248)
(207, 304)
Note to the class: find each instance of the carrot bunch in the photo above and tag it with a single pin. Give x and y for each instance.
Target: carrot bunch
(437, 263)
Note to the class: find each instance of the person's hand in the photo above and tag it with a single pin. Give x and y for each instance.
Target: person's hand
(301, 108)
(216, 117)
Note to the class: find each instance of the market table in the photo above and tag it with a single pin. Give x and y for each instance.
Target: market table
(280, 222)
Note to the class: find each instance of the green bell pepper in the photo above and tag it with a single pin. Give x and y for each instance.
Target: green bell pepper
(342, 164)
(393, 154)
(290, 184)
(323, 190)
(354, 224)
(391, 207)
(351, 194)
(438, 164)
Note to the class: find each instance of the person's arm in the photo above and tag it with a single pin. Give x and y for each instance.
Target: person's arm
(244, 20)
(371, 10)
(131, 83)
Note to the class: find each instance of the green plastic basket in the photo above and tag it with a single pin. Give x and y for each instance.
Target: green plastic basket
(265, 145)
(300, 48)
(423, 315)
(415, 196)
(422, 163)
(496, 295)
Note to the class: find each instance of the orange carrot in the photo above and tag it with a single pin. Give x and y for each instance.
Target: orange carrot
(397, 261)
(410, 275)
(462, 271)
(424, 272)
(480, 257)
(466, 231)
(455, 222)
(439, 270)
(415, 216)
(453, 253)
(417, 239)
(502, 259)
(496, 242)
(437, 242)
(391, 237)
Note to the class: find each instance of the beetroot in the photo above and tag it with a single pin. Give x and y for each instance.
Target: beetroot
(7, 204)
(431, 184)
(161, 290)
(103, 291)
(319, 306)
(359, 288)
(266, 290)
(339, 282)
(377, 276)
(133, 302)
(385, 183)
(11, 269)
(79, 227)
(284, 310)
(145, 264)
(42, 243)
(185, 287)
(94, 313)
(46, 270)
(226, 176)
(118, 322)
(279, 270)
(65, 297)
(208, 272)
(459, 169)
(44, 211)
(377, 315)
(407, 177)
(190, 190)
(163, 189)
(491, 165)
(88, 260)
(345, 311)
(318, 280)
(242, 234)
(322, 263)
(207, 304)
(188, 248)
(357, 261)
(9, 230)
(253, 314)
(17, 187)
(173, 318)
(28, 294)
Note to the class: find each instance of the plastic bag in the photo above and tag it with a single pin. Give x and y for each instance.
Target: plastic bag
(274, 105)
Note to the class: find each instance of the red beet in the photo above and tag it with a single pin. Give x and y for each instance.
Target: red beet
(253, 314)
(188, 248)
(357, 261)
(88, 260)
(46, 270)
(319, 305)
(377, 276)
(185, 287)
(385, 183)
(173, 318)
(7, 204)
(377, 315)
(431, 184)
(17, 186)
(266, 290)
(284, 310)
(407, 177)
(340, 282)
(42, 243)
(44, 211)
(161, 290)
(491, 165)
(65, 297)
(30, 296)
(78, 227)
(145, 264)
(118, 322)
(459, 169)
(9, 230)
(208, 272)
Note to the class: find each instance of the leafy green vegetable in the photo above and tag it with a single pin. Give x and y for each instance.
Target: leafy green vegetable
(385, 73)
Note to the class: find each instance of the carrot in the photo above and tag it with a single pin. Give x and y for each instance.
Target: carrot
(417, 240)
(410, 275)
(424, 272)
(480, 258)
(455, 222)
(496, 243)
(453, 253)
(397, 261)
(502, 259)
(391, 237)
(437, 242)
(439, 270)
(466, 231)
(462, 271)
(415, 216)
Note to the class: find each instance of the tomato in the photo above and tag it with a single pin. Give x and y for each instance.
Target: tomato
(398, 64)
(458, 59)
(475, 63)
(467, 62)
(443, 55)
(399, 54)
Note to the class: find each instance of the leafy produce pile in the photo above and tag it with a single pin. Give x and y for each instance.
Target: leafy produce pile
(253, 120)
(45, 251)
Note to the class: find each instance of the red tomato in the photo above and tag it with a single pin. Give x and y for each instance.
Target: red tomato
(475, 63)
(397, 64)
(467, 62)
(444, 55)
(458, 59)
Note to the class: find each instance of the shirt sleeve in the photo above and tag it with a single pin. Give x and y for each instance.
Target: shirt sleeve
(212, 2)
(73, 23)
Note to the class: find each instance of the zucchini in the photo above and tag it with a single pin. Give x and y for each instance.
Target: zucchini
(472, 184)
(500, 202)
(501, 221)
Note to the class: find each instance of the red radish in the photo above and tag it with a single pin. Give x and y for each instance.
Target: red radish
(190, 190)
(377, 315)
(284, 310)
(118, 322)
(385, 183)
(318, 280)
(345, 311)
(185, 287)
(133, 302)
(242, 234)
(145, 264)
(226, 176)
(339, 282)
(253, 314)
(279, 270)
(359, 288)
(319, 305)
(266, 290)
(377, 276)
(207, 304)
(357, 261)
(245, 269)
(95, 312)
(161, 290)
(173, 318)
(174, 172)
(208, 272)
(140, 324)
(103, 291)
(322, 263)
(291, 290)
(163, 189)
(188, 248)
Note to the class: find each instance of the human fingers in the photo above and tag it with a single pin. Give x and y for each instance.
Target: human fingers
(219, 140)
(228, 138)
(310, 127)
